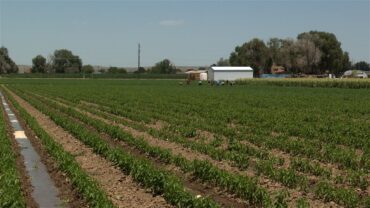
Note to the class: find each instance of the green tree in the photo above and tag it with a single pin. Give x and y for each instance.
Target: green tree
(223, 62)
(116, 70)
(288, 55)
(88, 69)
(164, 67)
(64, 61)
(141, 70)
(309, 52)
(38, 64)
(285, 53)
(253, 53)
(362, 65)
(275, 46)
(333, 57)
(7, 65)
(346, 63)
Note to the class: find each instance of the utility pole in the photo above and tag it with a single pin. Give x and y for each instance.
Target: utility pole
(138, 57)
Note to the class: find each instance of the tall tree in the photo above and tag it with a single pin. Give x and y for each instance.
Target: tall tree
(116, 70)
(141, 70)
(7, 65)
(362, 65)
(253, 53)
(346, 63)
(87, 69)
(164, 67)
(310, 54)
(332, 55)
(38, 64)
(223, 62)
(288, 55)
(275, 46)
(63, 61)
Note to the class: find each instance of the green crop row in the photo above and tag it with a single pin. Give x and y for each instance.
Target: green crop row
(306, 166)
(322, 124)
(331, 83)
(345, 197)
(310, 148)
(10, 186)
(85, 185)
(142, 171)
(242, 186)
(286, 176)
(235, 151)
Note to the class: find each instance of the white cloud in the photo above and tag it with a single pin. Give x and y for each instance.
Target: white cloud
(171, 23)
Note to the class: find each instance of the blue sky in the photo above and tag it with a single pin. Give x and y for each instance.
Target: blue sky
(187, 32)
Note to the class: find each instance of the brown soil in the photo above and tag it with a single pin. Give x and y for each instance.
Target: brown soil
(24, 179)
(158, 125)
(206, 137)
(120, 188)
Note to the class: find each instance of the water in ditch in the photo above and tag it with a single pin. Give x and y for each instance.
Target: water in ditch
(44, 191)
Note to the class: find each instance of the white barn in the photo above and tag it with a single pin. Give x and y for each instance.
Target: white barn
(231, 73)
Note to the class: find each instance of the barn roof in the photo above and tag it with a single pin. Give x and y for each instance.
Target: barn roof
(231, 68)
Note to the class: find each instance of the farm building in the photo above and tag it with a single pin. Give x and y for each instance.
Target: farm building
(231, 73)
(197, 75)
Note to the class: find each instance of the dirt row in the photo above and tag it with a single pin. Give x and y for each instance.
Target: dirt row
(120, 188)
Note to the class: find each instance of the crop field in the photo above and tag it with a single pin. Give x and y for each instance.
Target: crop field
(158, 143)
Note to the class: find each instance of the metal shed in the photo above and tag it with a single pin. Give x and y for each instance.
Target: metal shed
(230, 73)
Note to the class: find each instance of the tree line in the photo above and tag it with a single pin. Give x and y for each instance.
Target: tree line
(311, 52)
(7, 65)
(64, 61)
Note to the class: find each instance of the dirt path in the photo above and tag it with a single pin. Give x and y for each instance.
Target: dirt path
(120, 188)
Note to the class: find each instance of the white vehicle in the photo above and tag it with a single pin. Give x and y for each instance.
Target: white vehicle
(354, 74)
